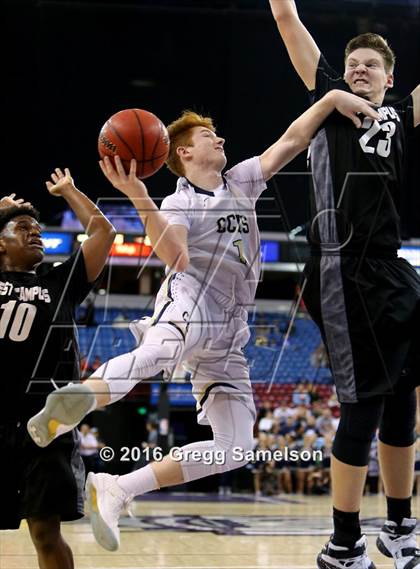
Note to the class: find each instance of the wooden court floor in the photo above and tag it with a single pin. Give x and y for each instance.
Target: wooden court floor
(208, 533)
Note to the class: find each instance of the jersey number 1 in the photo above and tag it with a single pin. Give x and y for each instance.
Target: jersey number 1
(239, 244)
(22, 320)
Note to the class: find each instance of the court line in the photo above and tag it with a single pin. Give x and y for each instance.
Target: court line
(234, 567)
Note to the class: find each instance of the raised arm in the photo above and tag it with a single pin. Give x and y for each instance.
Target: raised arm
(11, 200)
(298, 136)
(168, 241)
(100, 231)
(303, 51)
(416, 106)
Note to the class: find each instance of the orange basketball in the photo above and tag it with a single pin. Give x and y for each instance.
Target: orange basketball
(135, 133)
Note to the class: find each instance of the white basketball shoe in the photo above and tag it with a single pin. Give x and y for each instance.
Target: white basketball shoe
(106, 500)
(400, 543)
(338, 557)
(63, 411)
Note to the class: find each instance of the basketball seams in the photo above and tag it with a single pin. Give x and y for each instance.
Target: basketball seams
(115, 131)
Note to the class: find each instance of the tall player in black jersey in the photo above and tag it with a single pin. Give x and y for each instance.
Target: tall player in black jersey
(365, 300)
(37, 345)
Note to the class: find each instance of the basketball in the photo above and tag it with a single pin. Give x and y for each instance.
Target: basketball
(135, 133)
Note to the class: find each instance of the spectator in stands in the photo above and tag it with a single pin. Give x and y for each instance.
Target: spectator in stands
(300, 396)
(266, 423)
(88, 448)
(257, 467)
(312, 390)
(326, 423)
(302, 413)
(284, 476)
(288, 426)
(282, 412)
(334, 405)
(305, 466)
(318, 481)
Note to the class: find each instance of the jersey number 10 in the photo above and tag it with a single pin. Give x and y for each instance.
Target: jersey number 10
(21, 323)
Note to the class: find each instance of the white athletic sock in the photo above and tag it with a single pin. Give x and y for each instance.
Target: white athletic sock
(139, 482)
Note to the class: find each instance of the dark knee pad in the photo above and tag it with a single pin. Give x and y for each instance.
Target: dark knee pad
(398, 422)
(357, 427)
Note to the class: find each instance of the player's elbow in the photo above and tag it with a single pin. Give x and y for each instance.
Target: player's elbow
(109, 234)
(285, 18)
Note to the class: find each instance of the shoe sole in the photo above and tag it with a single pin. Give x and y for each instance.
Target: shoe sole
(64, 407)
(382, 548)
(102, 532)
(321, 564)
(324, 565)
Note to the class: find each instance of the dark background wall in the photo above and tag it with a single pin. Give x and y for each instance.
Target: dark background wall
(67, 66)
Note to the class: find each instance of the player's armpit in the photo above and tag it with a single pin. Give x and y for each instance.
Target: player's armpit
(301, 47)
(416, 105)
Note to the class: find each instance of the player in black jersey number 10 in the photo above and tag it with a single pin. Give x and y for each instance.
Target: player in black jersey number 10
(37, 340)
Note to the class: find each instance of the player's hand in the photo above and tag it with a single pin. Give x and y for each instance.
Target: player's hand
(10, 201)
(352, 106)
(61, 182)
(128, 184)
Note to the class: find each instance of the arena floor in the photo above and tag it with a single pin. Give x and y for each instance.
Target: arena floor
(173, 531)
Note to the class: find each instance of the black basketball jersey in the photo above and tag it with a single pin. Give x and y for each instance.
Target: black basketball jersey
(357, 175)
(38, 341)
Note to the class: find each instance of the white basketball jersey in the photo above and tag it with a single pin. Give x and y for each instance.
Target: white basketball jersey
(223, 235)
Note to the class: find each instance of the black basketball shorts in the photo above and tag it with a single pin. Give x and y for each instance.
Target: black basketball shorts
(368, 312)
(39, 482)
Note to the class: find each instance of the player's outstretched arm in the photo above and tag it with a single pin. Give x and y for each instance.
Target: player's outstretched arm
(169, 241)
(298, 136)
(100, 231)
(12, 201)
(302, 49)
(416, 105)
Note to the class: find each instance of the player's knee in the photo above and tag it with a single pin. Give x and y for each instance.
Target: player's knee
(357, 427)
(45, 533)
(398, 422)
(236, 449)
